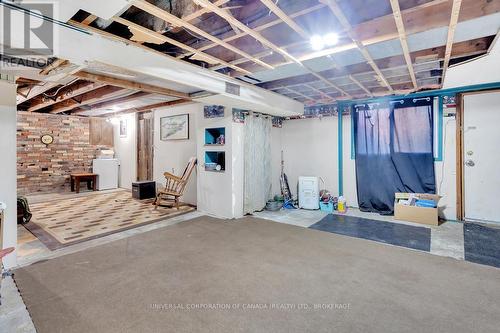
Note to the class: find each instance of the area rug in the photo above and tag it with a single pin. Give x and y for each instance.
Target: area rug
(69, 221)
(418, 238)
(251, 275)
(482, 244)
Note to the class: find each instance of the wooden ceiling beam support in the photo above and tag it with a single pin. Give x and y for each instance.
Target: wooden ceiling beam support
(172, 19)
(112, 81)
(104, 93)
(396, 10)
(260, 28)
(359, 84)
(91, 18)
(339, 14)
(468, 48)
(455, 13)
(149, 107)
(108, 104)
(54, 65)
(300, 94)
(164, 39)
(34, 91)
(202, 11)
(266, 42)
(285, 18)
(69, 92)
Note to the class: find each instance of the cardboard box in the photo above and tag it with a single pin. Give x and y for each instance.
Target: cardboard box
(423, 215)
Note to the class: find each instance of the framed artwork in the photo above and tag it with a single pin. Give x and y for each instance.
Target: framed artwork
(123, 128)
(213, 111)
(174, 127)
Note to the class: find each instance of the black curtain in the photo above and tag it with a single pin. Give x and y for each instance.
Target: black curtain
(394, 152)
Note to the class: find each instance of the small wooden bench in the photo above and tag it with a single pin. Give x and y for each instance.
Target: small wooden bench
(90, 178)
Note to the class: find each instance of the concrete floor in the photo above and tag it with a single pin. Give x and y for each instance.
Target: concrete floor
(266, 276)
(447, 239)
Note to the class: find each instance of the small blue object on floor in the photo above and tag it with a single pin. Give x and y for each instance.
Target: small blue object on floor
(482, 244)
(418, 238)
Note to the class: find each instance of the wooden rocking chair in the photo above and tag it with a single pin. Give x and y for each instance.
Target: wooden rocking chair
(174, 186)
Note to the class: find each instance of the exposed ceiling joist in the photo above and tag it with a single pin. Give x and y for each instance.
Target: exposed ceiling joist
(359, 84)
(54, 65)
(347, 26)
(150, 107)
(91, 18)
(70, 92)
(285, 18)
(300, 94)
(265, 42)
(108, 104)
(322, 93)
(133, 27)
(164, 15)
(261, 27)
(455, 13)
(31, 92)
(130, 84)
(104, 93)
(403, 39)
(202, 11)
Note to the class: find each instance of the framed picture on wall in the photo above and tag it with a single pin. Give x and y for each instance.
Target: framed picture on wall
(123, 128)
(213, 111)
(174, 127)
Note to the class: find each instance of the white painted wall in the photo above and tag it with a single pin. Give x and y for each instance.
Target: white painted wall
(479, 71)
(8, 180)
(310, 149)
(172, 156)
(126, 150)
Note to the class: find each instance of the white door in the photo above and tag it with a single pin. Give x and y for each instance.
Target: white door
(482, 156)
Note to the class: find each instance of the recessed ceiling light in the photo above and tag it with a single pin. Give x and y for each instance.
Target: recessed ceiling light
(331, 39)
(317, 43)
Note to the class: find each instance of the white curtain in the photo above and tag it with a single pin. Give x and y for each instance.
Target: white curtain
(257, 162)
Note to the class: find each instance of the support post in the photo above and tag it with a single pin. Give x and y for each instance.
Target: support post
(340, 149)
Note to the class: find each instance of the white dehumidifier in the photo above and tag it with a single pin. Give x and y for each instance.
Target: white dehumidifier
(309, 192)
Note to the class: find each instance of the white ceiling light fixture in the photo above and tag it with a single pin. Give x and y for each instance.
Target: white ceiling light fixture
(319, 42)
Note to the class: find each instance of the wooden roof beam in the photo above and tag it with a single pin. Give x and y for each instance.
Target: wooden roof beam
(108, 104)
(149, 107)
(403, 39)
(265, 42)
(285, 18)
(455, 13)
(34, 91)
(104, 93)
(164, 39)
(54, 65)
(112, 81)
(347, 26)
(260, 28)
(172, 19)
(69, 92)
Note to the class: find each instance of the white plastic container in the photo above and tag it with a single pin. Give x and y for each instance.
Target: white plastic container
(309, 192)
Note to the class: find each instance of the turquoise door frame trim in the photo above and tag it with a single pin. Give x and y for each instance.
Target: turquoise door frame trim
(340, 147)
(439, 158)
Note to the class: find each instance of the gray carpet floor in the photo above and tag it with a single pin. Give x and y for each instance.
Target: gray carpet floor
(180, 278)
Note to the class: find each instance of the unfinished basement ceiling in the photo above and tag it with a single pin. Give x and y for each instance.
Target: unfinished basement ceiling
(267, 43)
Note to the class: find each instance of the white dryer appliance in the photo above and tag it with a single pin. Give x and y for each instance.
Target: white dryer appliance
(107, 170)
(309, 192)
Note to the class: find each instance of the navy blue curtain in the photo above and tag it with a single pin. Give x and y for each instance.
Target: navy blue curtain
(394, 152)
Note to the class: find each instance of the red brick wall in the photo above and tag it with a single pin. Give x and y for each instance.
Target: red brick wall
(42, 168)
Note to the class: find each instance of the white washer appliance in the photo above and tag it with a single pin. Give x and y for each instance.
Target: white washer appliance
(107, 170)
(309, 192)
